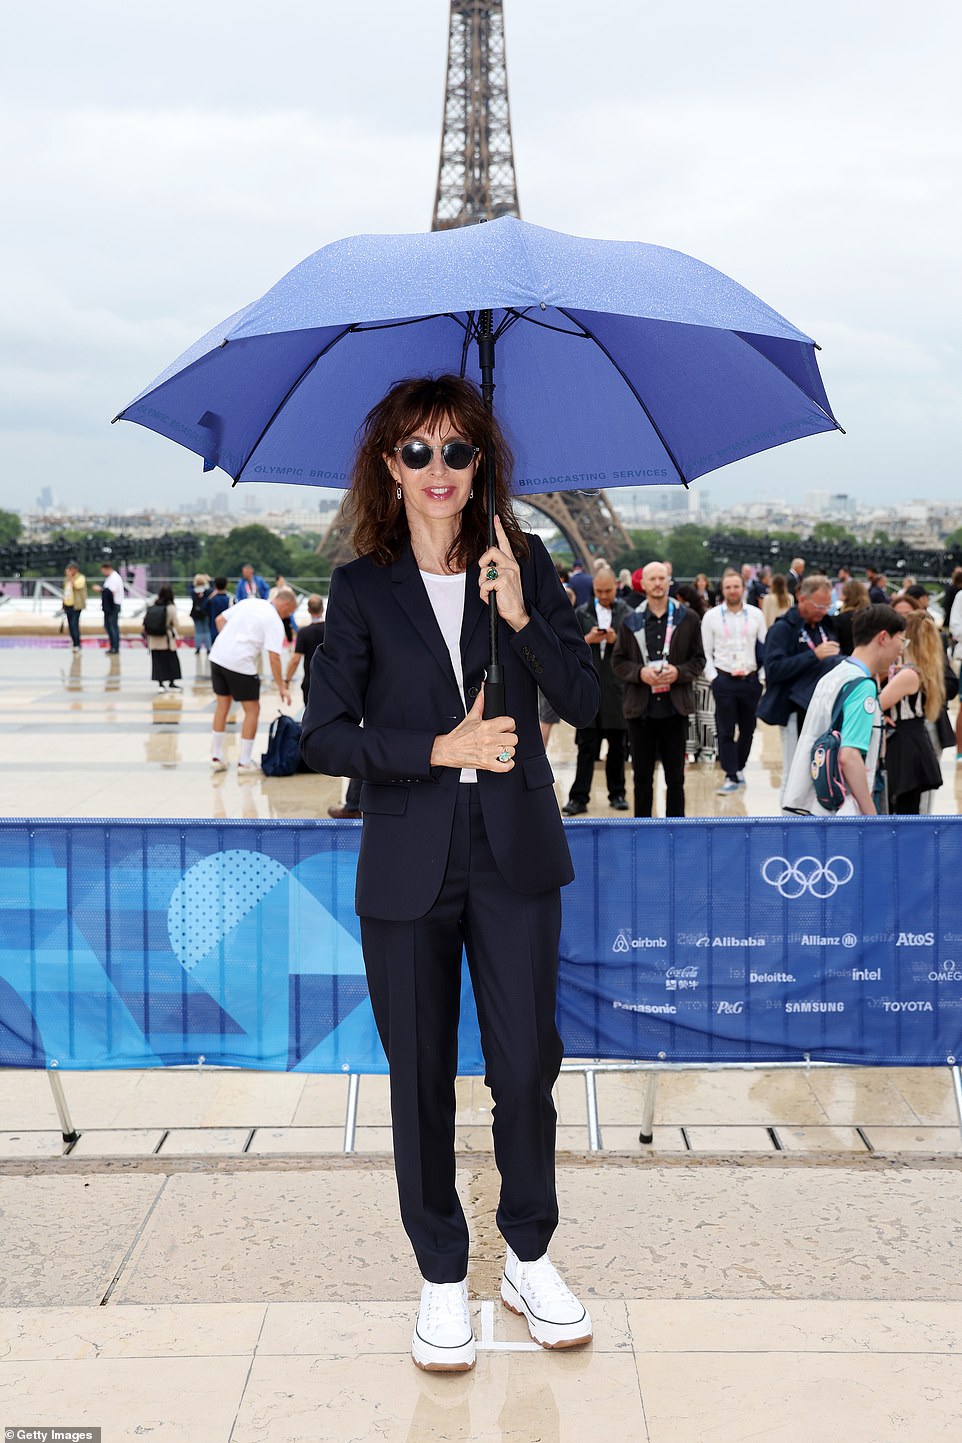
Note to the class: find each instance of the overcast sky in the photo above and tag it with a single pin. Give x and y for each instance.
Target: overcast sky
(164, 165)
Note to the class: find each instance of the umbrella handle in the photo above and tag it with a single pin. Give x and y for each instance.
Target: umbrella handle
(494, 699)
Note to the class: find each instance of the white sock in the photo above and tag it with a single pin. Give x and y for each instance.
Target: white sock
(217, 746)
(246, 747)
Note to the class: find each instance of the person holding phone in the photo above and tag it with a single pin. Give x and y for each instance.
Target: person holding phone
(600, 619)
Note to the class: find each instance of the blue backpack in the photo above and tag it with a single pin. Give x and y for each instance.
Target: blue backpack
(283, 755)
(827, 778)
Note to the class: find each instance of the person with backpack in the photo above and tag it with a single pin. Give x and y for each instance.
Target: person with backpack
(199, 597)
(834, 767)
(160, 632)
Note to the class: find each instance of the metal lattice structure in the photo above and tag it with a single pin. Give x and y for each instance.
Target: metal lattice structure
(476, 182)
(476, 178)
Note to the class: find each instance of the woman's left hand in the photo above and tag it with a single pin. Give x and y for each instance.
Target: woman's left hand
(506, 585)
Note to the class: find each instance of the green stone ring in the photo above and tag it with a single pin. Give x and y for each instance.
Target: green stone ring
(504, 756)
(492, 573)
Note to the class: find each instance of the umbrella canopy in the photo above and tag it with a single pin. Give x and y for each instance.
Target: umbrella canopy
(618, 363)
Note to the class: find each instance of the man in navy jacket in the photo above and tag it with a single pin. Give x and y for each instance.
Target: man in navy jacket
(800, 648)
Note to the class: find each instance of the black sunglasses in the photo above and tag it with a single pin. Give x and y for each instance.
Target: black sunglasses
(457, 455)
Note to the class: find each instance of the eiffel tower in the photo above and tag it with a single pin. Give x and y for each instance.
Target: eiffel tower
(476, 182)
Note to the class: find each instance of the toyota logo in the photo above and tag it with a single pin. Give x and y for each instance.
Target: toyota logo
(808, 874)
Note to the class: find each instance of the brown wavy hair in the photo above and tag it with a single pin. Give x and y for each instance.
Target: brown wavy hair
(379, 526)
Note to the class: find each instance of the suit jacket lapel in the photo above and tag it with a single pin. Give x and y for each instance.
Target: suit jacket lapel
(410, 595)
(474, 610)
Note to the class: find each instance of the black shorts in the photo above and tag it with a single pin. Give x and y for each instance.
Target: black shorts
(234, 683)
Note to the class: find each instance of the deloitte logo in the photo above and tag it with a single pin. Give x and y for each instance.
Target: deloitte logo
(626, 943)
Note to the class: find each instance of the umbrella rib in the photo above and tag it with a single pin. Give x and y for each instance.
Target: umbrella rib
(356, 328)
(654, 425)
(289, 393)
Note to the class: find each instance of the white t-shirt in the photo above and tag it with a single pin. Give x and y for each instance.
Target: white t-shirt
(115, 586)
(251, 626)
(446, 595)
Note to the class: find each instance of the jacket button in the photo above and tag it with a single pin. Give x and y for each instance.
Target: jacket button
(473, 690)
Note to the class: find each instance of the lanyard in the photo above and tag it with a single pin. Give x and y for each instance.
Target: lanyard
(810, 643)
(669, 630)
(724, 621)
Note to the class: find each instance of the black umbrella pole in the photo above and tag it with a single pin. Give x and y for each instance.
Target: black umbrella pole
(494, 701)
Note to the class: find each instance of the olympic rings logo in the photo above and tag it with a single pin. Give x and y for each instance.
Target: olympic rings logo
(808, 874)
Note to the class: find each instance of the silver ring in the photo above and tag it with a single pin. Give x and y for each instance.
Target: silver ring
(504, 756)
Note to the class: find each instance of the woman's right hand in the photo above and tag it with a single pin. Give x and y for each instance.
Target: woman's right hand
(477, 743)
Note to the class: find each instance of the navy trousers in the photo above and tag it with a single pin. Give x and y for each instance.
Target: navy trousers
(414, 978)
(736, 702)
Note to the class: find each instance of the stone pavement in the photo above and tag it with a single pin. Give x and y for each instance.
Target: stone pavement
(204, 1265)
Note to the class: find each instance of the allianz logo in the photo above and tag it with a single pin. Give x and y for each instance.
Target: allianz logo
(815, 939)
(624, 942)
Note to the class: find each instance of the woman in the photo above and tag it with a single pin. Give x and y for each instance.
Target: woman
(854, 598)
(776, 600)
(160, 631)
(200, 595)
(74, 600)
(914, 694)
(462, 841)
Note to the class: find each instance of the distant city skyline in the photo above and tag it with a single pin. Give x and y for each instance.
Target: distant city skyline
(160, 176)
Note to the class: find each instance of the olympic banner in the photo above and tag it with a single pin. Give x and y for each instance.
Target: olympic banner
(151, 944)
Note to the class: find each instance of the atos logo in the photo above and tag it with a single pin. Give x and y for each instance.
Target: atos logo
(916, 939)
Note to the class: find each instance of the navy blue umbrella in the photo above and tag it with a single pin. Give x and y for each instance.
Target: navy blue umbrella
(618, 363)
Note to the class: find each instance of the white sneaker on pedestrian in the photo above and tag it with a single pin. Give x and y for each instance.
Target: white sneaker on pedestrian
(728, 785)
(248, 766)
(443, 1336)
(535, 1292)
(740, 777)
(217, 764)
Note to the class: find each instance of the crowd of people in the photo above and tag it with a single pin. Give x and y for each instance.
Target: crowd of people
(686, 671)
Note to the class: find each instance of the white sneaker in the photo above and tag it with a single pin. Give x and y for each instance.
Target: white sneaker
(248, 766)
(535, 1291)
(443, 1336)
(217, 764)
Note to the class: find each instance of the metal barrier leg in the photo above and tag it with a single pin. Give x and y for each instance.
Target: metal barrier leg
(69, 1132)
(648, 1114)
(591, 1098)
(957, 1089)
(350, 1118)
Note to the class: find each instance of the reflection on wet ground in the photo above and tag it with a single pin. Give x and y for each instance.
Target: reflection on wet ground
(88, 735)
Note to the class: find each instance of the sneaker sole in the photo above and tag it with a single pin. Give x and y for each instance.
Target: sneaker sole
(443, 1360)
(514, 1303)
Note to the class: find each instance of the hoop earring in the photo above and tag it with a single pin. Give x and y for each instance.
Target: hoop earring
(399, 493)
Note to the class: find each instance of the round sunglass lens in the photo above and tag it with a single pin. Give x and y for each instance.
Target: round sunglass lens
(416, 455)
(457, 454)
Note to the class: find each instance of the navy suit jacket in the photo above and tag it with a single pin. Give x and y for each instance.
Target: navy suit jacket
(385, 661)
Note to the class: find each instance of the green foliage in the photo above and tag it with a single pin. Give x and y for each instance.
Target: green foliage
(10, 527)
(264, 549)
(645, 546)
(831, 531)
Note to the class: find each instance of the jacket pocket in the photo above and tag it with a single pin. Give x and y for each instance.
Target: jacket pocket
(385, 800)
(537, 772)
